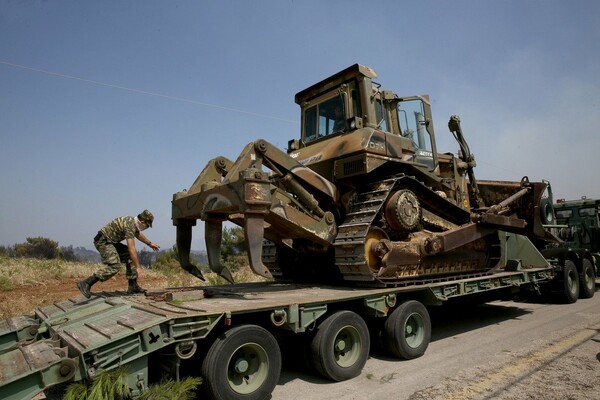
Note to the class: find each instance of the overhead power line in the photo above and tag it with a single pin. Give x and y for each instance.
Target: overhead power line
(145, 92)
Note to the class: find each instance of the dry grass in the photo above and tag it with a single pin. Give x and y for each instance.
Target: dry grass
(15, 272)
(30, 271)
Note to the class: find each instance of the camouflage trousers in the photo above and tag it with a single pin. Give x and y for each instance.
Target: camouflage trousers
(114, 257)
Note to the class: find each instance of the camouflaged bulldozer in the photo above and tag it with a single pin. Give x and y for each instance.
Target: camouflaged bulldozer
(362, 195)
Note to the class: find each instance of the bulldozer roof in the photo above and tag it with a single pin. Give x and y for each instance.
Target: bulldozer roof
(334, 80)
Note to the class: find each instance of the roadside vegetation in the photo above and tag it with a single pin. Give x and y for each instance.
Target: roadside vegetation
(110, 385)
(40, 263)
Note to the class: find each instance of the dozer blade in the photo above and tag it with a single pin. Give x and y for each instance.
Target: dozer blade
(213, 235)
(184, 245)
(254, 227)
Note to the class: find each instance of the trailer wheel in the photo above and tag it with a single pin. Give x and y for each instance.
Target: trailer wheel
(587, 280)
(340, 348)
(407, 330)
(569, 283)
(242, 363)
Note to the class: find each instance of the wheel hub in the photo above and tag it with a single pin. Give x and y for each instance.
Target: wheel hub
(241, 366)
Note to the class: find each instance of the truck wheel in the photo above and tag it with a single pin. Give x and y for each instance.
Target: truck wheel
(340, 348)
(569, 283)
(587, 280)
(407, 330)
(242, 363)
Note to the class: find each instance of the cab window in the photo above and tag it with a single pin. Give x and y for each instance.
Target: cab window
(381, 115)
(413, 125)
(356, 109)
(587, 212)
(324, 119)
(564, 213)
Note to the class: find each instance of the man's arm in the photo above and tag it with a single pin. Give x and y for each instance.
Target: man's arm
(142, 238)
(134, 257)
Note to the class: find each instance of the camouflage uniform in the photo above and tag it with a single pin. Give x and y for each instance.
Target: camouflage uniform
(114, 254)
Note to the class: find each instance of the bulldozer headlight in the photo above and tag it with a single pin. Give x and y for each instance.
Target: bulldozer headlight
(355, 123)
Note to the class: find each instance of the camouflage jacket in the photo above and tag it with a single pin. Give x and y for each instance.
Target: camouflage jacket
(119, 229)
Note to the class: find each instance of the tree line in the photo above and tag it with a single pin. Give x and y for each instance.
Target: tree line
(40, 247)
(233, 252)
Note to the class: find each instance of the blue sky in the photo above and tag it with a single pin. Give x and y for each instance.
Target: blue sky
(109, 107)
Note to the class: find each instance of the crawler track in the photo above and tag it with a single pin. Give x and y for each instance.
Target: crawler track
(349, 245)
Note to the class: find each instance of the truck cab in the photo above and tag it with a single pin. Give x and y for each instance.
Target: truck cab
(582, 221)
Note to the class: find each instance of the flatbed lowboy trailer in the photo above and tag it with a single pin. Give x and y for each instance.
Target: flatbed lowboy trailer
(231, 335)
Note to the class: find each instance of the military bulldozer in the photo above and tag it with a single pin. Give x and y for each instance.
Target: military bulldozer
(362, 195)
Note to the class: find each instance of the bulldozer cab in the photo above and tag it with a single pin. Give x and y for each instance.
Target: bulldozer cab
(350, 104)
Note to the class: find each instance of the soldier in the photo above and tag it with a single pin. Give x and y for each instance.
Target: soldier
(115, 254)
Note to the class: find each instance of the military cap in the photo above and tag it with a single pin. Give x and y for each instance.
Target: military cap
(147, 217)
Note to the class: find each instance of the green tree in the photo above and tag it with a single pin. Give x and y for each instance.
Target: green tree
(167, 262)
(67, 254)
(145, 257)
(38, 247)
(7, 251)
(233, 249)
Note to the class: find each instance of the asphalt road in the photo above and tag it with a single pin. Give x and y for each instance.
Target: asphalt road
(494, 350)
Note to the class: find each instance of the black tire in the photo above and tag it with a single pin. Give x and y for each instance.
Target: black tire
(587, 280)
(407, 330)
(340, 347)
(242, 363)
(569, 283)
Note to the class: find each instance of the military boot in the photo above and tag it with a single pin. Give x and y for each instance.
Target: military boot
(134, 287)
(85, 286)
